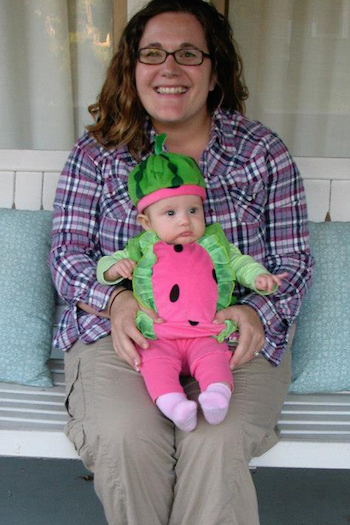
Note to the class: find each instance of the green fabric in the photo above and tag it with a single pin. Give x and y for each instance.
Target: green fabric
(107, 261)
(215, 243)
(229, 263)
(162, 170)
(142, 278)
(27, 297)
(246, 270)
(146, 325)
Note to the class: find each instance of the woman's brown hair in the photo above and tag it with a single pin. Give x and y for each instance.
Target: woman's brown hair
(120, 116)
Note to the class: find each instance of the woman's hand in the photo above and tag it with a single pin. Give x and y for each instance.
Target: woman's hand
(251, 332)
(124, 332)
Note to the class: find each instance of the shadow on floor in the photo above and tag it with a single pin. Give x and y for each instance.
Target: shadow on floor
(59, 492)
(303, 497)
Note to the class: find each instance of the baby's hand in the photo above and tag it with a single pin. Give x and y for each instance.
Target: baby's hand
(266, 281)
(123, 268)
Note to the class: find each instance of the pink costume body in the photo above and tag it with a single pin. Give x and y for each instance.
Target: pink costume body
(185, 295)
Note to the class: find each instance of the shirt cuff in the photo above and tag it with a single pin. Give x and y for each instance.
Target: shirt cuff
(276, 329)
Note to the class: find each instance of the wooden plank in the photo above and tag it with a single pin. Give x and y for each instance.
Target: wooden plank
(324, 168)
(32, 160)
(317, 197)
(340, 201)
(338, 398)
(44, 444)
(49, 189)
(7, 188)
(53, 160)
(28, 190)
(289, 454)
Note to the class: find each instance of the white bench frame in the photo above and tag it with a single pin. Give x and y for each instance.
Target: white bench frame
(314, 429)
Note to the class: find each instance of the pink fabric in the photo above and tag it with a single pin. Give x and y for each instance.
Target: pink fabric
(174, 330)
(204, 358)
(164, 193)
(185, 294)
(185, 291)
(215, 402)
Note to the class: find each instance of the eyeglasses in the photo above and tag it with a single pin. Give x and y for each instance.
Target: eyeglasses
(184, 57)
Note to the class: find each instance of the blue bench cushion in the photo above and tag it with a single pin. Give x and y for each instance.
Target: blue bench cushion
(27, 297)
(321, 348)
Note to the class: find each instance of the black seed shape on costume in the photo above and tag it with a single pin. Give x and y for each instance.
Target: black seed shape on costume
(174, 293)
(214, 275)
(178, 248)
(193, 323)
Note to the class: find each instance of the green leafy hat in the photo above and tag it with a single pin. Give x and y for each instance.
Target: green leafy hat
(164, 175)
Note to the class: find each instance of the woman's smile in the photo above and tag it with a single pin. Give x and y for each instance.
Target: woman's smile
(168, 90)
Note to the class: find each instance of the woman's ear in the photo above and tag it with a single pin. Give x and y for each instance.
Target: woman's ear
(144, 221)
(213, 82)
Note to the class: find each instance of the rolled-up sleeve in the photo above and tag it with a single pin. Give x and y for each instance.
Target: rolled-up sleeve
(288, 251)
(75, 235)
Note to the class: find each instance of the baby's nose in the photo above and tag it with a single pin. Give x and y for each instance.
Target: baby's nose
(184, 219)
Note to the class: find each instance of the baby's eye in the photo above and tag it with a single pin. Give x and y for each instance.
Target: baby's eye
(170, 213)
(193, 210)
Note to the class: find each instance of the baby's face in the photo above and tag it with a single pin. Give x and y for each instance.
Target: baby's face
(176, 220)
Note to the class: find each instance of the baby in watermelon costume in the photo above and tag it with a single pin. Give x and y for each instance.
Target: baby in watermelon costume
(185, 272)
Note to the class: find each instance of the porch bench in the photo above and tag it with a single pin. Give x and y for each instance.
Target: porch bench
(314, 429)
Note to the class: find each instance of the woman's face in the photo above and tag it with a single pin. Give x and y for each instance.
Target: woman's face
(172, 93)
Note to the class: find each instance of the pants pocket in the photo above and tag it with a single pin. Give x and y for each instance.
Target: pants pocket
(75, 399)
(75, 405)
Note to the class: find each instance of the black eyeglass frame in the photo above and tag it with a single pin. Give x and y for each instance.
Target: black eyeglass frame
(172, 53)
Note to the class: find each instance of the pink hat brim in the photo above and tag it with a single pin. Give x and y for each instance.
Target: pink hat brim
(165, 193)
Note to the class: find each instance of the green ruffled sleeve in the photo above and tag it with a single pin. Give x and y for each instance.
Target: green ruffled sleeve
(247, 270)
(142, 277)
(107, 261)
(146, 325)
(132, 251)
(215, 243)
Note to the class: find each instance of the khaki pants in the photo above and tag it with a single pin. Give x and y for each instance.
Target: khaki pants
(147, 472)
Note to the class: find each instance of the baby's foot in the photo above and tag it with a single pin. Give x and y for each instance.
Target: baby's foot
(179, 409)
(185, 415)
(215, 402)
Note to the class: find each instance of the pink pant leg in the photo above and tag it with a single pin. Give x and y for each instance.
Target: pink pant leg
(161, 366)
(209, 362)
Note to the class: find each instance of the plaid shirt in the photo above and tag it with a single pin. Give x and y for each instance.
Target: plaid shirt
(253, 189)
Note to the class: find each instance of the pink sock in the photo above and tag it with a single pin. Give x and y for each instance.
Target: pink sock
(214, 402)
(179, 409)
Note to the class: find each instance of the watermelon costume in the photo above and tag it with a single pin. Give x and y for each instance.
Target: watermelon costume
(186, 284)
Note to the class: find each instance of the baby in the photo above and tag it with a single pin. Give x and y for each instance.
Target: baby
(185, 272)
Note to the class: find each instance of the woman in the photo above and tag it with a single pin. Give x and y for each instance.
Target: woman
(176, 72)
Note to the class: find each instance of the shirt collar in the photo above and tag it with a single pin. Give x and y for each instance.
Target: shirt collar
(223, 130)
